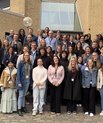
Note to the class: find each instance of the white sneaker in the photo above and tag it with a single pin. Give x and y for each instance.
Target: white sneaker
(34, 113)
(86, 113)
(101, 113)
(40, 112)
(69, 112)
(91, 114)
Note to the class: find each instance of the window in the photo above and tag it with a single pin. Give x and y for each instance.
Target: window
(58, 16)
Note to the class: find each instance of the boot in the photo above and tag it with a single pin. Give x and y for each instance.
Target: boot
(20, 112)
(23, 109)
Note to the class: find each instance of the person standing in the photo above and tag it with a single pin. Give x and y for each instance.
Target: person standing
(8, 88)
(23, 81)
(39, 76)
(100, 86)
(55, 77)
(89, 80)
(72, 89)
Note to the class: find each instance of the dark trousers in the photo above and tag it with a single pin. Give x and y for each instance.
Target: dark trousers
(89, 95)
(55, 94)
(71, 106)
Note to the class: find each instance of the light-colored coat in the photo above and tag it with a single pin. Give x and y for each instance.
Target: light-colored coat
(5, 77)
(99, 79)
(59, 76)
(39, 75)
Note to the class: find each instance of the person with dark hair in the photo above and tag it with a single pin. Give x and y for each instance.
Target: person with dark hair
(17, 46)
(43, 54)
(10, 56)
(34, 38)
(71, 52)
(45, 32)
(64, 62)
(8, 88)
(89, 81)
(55, 77)
(84, 44)
(21, 36)
(78, 49)
(95, 47)
(87, 39)
(39, 75)
(23, 81)
(49, 52)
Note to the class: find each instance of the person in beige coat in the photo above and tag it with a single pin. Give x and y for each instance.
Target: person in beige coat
(100, 86)
(39, 76)
(8, 87)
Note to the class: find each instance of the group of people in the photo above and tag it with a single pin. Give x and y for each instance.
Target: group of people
(64, 67)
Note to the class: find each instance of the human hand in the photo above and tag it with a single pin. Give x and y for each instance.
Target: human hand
(57, 84)
(20, 85)
(2, 89)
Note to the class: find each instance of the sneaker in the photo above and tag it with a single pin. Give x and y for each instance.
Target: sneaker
(69, 112)
(86, 113)
(74, 112)
(91, 114)
(40, 112)
(57, 114)
(34, 113)
(101, 113)
(52, 113)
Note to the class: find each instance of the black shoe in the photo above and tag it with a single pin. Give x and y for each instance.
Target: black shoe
(23, 109)
(20, 112)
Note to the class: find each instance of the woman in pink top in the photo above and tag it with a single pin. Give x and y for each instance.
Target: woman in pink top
(55, 76)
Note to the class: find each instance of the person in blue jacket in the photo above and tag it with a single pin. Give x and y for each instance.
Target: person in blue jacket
(23, 81)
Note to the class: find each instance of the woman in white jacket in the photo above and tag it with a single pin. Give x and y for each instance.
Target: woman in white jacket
(39, 76)
(100, 86)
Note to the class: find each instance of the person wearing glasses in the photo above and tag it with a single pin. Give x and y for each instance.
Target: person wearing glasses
(23, 81)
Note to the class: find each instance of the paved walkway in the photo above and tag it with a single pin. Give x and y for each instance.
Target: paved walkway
(48, 118)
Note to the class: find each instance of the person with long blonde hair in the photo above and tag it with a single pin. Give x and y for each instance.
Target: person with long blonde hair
(72, 90)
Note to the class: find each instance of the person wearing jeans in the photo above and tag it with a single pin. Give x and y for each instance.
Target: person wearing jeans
(23, 81)
(39, 76)
(100, 86)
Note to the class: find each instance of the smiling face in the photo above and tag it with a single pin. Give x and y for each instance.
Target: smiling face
(56, 60)
(90, 63)
(10, 65)
(39, 62)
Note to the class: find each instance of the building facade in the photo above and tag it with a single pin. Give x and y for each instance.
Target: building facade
(88, 15)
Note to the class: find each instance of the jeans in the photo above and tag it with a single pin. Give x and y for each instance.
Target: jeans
(22, 94)
(101, 96)
(38, 99)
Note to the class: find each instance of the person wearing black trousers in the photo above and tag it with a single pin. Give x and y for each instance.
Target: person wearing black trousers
(89, 81)
(55, 77)
(72, 90)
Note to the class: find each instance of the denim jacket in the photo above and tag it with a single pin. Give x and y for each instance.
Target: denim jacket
(88, 77)
(21, 75)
